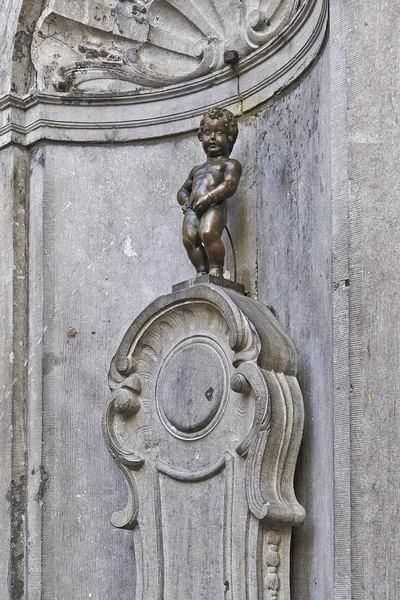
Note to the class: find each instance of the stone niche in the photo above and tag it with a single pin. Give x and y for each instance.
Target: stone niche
(122, 70)
(205, 423)
(95, 93)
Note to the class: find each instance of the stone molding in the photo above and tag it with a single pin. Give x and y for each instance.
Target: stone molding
(117, 117)
(234, 448)
(139, 45)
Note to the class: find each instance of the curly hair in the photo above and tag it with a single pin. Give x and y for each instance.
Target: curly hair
(229, 119)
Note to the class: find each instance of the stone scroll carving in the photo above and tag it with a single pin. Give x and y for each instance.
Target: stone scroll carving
(138, 44)
(205, 422)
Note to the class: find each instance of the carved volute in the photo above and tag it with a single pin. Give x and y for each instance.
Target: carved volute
(205, 423)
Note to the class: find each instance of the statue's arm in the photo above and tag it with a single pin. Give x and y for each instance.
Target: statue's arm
(228, 187)
(183, 196)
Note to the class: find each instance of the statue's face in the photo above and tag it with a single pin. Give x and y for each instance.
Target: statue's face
(215, 138)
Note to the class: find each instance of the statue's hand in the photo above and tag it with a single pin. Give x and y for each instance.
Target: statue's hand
(201, 205)
(185, 207)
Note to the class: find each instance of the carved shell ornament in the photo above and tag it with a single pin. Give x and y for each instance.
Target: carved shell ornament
(139, 45)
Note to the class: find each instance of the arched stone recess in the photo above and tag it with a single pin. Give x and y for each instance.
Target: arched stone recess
(124, 70)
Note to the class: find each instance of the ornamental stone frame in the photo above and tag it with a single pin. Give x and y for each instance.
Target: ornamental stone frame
(205, 423)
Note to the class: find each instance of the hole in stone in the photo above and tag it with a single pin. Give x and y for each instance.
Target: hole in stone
(209, 393)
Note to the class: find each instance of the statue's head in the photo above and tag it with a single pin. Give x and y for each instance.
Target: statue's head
(227, 121)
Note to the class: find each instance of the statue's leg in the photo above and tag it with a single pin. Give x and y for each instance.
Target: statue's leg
(191, 241)
(211, 228)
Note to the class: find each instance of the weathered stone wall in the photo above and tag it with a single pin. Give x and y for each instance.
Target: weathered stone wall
(314, 227)
(104, 242)
(13, 357)
(294, 277)
(10, 12)
(365, 176)
(7, 348)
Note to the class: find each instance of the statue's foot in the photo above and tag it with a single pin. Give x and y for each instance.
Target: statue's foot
(199, 273)
(216, 272)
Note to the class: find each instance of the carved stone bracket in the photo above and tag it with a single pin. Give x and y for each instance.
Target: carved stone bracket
(205, 423)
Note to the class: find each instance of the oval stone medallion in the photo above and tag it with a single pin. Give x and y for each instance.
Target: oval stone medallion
(192, 385)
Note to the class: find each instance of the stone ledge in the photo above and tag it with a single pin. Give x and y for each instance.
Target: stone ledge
(221, 281)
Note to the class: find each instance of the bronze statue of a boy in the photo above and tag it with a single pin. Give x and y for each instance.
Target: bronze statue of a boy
(203, 195)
